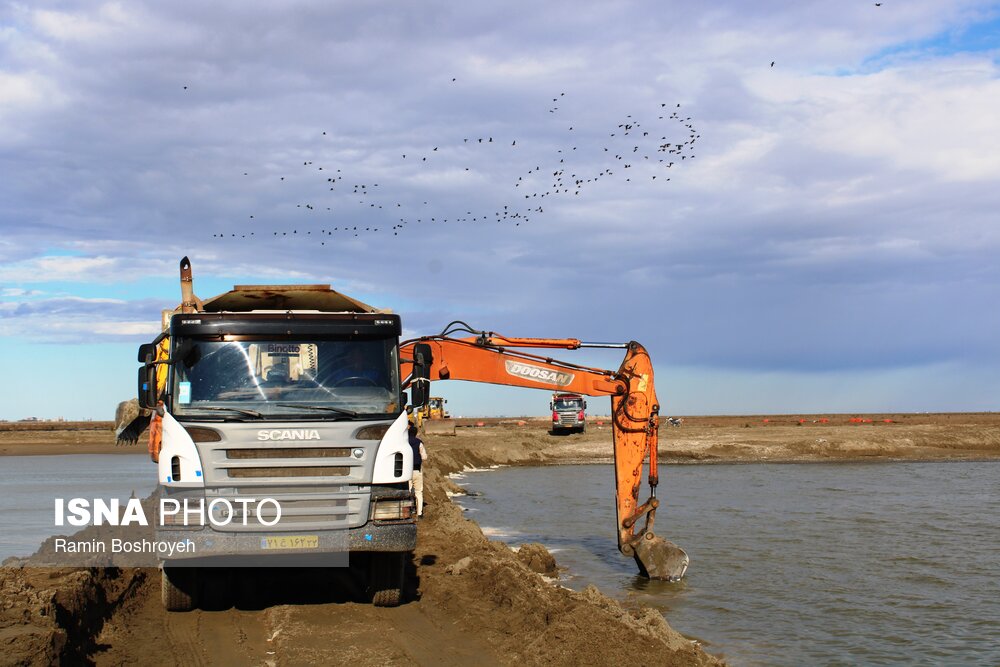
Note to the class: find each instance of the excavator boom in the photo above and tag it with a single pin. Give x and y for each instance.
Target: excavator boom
(488, 357)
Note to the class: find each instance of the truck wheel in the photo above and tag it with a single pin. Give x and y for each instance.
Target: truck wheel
(178, 586)
(387, 577)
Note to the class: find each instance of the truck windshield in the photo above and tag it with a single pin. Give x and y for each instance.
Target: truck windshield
(326, 379)
(568, 404)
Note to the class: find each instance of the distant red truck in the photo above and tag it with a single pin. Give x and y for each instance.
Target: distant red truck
(569, 413)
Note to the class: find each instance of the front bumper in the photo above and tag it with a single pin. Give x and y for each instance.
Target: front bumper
(205, 546)
(329, 547)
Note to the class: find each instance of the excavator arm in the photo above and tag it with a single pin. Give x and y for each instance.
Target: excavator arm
(489, 357)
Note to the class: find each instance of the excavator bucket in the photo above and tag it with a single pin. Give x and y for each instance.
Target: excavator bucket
(658, 558)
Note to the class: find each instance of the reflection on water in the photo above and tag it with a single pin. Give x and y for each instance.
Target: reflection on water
(890, 563)
(29, 486)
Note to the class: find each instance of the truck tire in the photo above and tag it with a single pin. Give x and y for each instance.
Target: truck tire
(387, 578)
(178, 588)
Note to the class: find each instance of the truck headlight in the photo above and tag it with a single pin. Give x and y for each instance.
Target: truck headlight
(374, 432)
(393, 510)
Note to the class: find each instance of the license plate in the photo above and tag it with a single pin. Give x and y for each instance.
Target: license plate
(290, 542)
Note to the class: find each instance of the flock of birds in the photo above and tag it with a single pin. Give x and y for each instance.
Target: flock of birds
(631, 150)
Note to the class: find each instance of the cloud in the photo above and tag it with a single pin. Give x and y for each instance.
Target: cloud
(63, 268)
(108, 20)
(79, 320)
(836, 204)
(18, 292)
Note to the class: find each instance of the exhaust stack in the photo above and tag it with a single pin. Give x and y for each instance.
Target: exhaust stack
(189, 302)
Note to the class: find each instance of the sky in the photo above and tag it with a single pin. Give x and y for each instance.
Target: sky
(793, 206)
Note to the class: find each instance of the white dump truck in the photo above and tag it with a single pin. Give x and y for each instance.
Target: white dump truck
(279, 430)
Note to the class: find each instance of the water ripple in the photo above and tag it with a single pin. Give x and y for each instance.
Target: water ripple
(880, 564)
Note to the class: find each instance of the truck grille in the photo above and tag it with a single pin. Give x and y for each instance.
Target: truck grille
(298, 512)
(568, 417)
(269, 454)
(288, 453)
(319, 509)
(318, 488)
(303, 471)
(226, 461)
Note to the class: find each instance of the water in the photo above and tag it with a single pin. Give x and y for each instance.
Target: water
(29, 486)
(826, 564)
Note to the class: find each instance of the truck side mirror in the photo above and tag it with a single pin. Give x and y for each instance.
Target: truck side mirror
(147, 386)
(420, 386)
(147, 376)
(147, 353)
(585, 405)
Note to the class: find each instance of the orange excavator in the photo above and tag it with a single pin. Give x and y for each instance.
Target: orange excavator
(485, 356)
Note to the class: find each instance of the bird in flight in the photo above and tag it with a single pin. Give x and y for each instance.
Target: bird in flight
(772, 63)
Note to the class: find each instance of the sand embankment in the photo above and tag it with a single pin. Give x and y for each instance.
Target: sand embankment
(470, 601)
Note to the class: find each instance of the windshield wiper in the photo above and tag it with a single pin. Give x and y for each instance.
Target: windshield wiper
(242, 411)
(343, 411)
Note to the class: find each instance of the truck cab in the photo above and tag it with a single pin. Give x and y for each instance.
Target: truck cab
(568, 413)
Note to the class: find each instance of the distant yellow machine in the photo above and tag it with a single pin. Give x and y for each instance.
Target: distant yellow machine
(433, 419)
(432, 411)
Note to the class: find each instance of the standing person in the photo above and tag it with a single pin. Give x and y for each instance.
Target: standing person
(419, 456)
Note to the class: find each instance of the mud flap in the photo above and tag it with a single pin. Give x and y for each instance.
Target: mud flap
(658, 558)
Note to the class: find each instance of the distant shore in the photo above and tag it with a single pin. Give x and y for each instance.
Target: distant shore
(37, 438)
(698, 439)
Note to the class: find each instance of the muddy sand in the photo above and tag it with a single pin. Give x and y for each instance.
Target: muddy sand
(470, 600)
